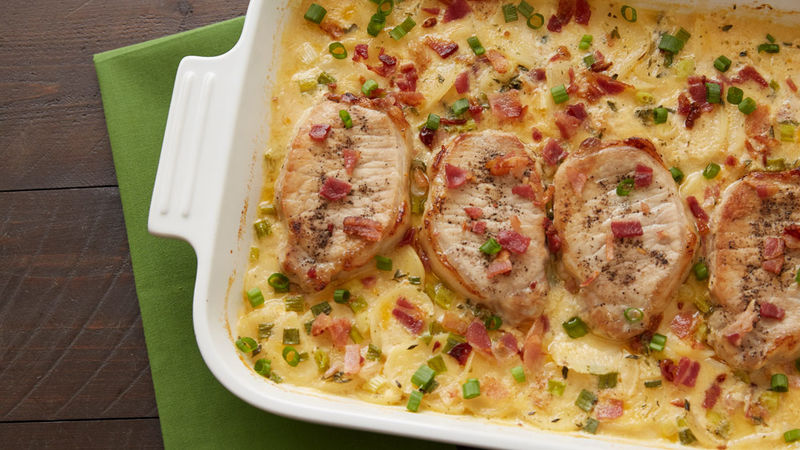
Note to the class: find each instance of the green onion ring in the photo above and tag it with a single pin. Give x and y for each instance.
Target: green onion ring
(535, 21)
(291, 356)
(629, 13)
(337, 50)
(633, 315)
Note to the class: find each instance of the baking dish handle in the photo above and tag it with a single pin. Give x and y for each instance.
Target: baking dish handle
(189, 177)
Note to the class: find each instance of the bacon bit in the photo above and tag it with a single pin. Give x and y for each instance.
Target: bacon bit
(552, 152)
(567, 124)
(350, 159)
(456, 10)
(361, 52)
(478, 227)
(626, 228)
(524, 191)
(600, 64)
(500, 266)
(682, 324)
(506, 346)
(334, 189)
(319, 132)
(748, 73)
(436, 346)
(473, 212)
(609, 409)
(442, 47)
(429, 22)
(387, 67)
(369, 282)
(367, 229)
(455, 176)
(498, 61)
(513, 162)
(668, 369)
(339, 332)
(408, 80)
(320, 324)
(408, 315)
(687, 372)
(765, 190)
(773, 247)
(562, 53)
(462, 82)
(697, 88)
(513, 241)
(791, 84)
(532, 351)
(433, 11)
(577, 111)
(461, 352)
(731, 161)
(475, 110)
(409, 98)
(553, 239)
(734, 339)
(408, 237)
(772, 311)
(757, 122)
(478, 337)
(610, 85)
(507, 106)
(582, 12)
(352, 359)
(426, 136)
(536, 135)
(699, 214)
(333, 29)
(554, 25)
(792, 230)
(679, 403)
(538, 74)
(591, 279)
(643, 176)
(453, 322)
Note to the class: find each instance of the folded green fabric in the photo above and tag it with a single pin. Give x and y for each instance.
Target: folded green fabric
(195, 410)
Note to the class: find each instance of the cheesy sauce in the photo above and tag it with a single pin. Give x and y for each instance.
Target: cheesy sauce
(746, 414)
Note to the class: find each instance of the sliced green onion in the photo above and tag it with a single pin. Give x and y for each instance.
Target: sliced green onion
(255, 296)
(263, 228)
(711, 171)
(657, 342)
(559, 94)
(670, 43)
(369, 87)
(471, 389)
(510, 13)
(652, 384)
(254, 253)
(713, 93)
(686, 437)
(246, 344)
(628, 13)
(266, 208)
(325, 78)
(460, 106)
(452, 341)
(518, 373)
(490, 247)
(575, 327)
(355, 335)
(588, 60)
(322, 360)
(433, 122)
(722, 63)
(295, 304)
(684, 68)
(683, 35)
(415, 280)
(383, 263)
(291, 356)
(633, 315)
(747, 105)
(475, 45)
(341, 296)
(677, 174)
(607, 380)
(535, 21)
(373, 352)
(525, 9)
(586, 41)
(263, 367)
(660, 115)
(375, 384)
(401, 30)
(493, 323)
(291, 336)
(414, 399)
(734, 95)
(645, 98)
(591, 425)
(423, 377)
(321, 308)
(279, 282)
(376, 24)
(358, 304)
(346, 119)
(556, 387)
(586, 400)
(337, 50)
(383, 11)
(700, 270)
(779, 383)
(265, 330)
(625, 187)
(769, 48)
(315, 13)
(437, 364)
(770, 38)
(443, 296)
(787, 132)
(792, 435)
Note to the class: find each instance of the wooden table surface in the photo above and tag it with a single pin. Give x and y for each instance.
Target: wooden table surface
(73, 365)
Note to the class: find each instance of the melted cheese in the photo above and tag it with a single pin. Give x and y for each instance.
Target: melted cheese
(649, 414)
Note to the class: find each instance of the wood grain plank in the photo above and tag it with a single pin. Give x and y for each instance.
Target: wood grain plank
(71, 342)
(90, 434)
(53, 131)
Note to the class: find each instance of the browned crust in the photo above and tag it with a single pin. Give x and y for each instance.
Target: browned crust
(636, 142)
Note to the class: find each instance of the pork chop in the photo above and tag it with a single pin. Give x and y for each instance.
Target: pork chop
(754, 257)
(342, 192)
(486, 186)
(627, 249)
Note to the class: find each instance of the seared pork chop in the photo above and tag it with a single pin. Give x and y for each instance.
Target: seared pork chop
(626, 249)
(754, 257)
(486, 186)
(342, 192)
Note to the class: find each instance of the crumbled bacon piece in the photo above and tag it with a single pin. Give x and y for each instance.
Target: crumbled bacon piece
(506, 105)
(429, 22)
(538, 74)
(668, 369)
(554, 25)
(462, 82)
(553, 153)
(455, 10)
(334, 189)
(339, 329)
(473, 212)
(453, 322)
(772, 311)
(387, 67)
(352, 359)
(409, 98)
(433, 11)
(711, 396)
(407, 81)
(609, 409)
(792, 230)
(562, 53)
(350, 159)
(524, 191)
(506, 346)
(791, 84)
(512, 162)
(699, 214)
(568, 122)
(773, 247)
(536, 135)
(553, 239)
(532, 349)
(500, 265)
(478, 227)
(475, 110)
(600, 64)
(731, 161)
(369, 282)
(408, 237)
(455, 176)
(461, 352)
(582, 12)
(687, 372)
(513, 241)
(320, 324)
(408, 315)
(426, 136)
(749, 73)
(442, 47)
(360, 52)
(478, 337)
(367, 229)
(643, 176)
(319, 132)
(626, 228)
(682, 324)
(498, 61)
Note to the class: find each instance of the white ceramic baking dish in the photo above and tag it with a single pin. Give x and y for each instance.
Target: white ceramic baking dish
(210, 171)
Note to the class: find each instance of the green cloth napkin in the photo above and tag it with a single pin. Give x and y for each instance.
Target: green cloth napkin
(195, 410)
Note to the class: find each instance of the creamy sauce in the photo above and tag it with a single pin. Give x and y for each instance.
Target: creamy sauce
(650, 415)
